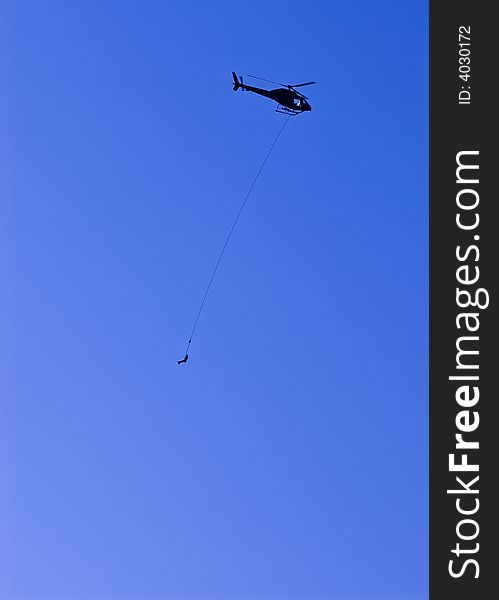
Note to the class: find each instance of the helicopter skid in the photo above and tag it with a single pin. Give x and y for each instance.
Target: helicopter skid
(287, 111)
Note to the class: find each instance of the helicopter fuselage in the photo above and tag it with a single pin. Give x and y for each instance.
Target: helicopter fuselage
(287, 98)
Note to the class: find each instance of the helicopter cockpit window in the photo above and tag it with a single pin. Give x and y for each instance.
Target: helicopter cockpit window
(297, 101)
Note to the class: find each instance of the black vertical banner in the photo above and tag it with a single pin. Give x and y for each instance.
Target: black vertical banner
(464, 253)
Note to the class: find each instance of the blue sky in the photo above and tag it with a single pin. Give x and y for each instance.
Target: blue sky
(288, 458)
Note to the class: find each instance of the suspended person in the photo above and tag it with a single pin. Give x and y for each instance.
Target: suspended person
(183, 360)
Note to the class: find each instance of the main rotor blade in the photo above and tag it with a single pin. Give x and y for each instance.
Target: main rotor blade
(302, 84)
(268, 80)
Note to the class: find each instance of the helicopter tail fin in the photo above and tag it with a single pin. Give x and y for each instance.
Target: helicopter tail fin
(237, 83)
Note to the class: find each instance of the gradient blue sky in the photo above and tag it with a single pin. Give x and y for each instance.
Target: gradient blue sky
(288, 459)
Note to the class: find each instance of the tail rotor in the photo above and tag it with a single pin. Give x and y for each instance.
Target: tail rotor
(237, 83)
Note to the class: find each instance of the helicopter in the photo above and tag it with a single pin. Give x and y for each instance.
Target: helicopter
(289, 100)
